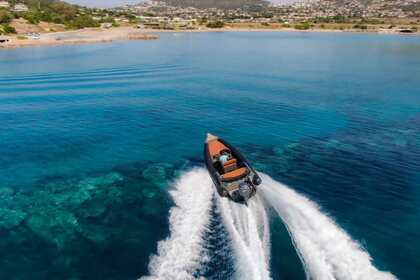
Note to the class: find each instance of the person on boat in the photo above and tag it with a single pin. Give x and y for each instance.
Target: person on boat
(224, 157)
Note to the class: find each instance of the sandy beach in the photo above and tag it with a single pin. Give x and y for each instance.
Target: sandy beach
(83, 36)
(98, 35)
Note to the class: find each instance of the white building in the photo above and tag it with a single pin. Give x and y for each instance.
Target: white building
(4, 4)
(20, 8)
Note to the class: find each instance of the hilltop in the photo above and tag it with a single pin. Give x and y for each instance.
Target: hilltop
(220, 4)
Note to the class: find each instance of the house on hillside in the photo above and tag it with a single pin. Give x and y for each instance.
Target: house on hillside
(20, 7)
(4, 4)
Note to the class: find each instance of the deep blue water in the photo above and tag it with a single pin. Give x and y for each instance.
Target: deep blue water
(334, 116)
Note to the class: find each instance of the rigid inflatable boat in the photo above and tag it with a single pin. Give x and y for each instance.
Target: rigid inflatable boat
(230, 171)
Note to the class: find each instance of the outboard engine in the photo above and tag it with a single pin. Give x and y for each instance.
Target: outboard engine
(256, 180)
(245, 190)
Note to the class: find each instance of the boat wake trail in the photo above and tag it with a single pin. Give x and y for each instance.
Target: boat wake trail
(326, 250)
(249, 231)
(182, 253)
(238, 242)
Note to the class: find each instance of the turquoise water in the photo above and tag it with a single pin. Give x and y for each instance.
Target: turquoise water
(93, 136)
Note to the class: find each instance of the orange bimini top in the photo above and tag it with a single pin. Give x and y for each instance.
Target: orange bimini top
(215, 147)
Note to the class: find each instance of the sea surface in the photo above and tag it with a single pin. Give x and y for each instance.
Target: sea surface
(101, 168)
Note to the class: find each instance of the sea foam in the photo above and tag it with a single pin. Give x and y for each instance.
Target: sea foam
(182, 253)
(326, 250)
(249, 231)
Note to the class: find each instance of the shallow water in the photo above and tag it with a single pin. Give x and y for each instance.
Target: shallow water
(94, 136)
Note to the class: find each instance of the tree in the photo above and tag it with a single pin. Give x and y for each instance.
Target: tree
(7, 29)
(303, 26)
(67, 11)
(215, 24)
(5, 17)
(33, 17)
(360, 26)
(82, 21)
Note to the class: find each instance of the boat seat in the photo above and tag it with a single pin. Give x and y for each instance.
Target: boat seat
(230, 165)
(235, 174)
(231, 161)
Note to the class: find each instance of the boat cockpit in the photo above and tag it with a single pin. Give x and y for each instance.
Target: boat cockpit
(228, 167)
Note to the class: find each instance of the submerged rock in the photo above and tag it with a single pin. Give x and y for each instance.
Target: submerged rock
(108, 179)
(96, 233)
(6, 192)
(292, 146)
(149, 193)
(54, 226)
(332, 144)
(278, 150)
(75, 194)
(95, 208)
(70, 198)
(10, 218)
(73, 220)
(157, 174)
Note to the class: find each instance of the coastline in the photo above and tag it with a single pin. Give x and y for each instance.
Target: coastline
(82, 36)
(98, 35)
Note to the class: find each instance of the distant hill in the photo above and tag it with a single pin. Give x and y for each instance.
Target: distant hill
(233, 4)
(369, 2)
(378, 8)
(221, 4)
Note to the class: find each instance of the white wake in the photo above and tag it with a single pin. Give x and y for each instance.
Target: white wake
(182, 253)
(249, 231)
(327, 251)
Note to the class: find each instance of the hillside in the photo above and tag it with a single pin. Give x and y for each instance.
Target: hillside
(368, 3)
(221, 4)
(43, 15)
(365, 8)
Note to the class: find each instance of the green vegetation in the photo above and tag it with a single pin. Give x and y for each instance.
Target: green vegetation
(50, 11)
(81, 22)
(215, 24)
(110, 20)
(5, 16)
(7, 29)
(360, 26)
(303, 26)
(53, 11)
(21, 37)
(61, 13)
(334, 19)
(32, 17)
